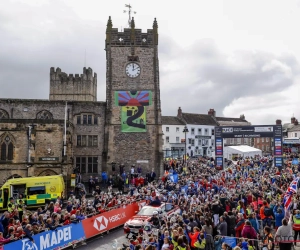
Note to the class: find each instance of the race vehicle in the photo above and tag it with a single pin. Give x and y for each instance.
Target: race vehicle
(136, 223)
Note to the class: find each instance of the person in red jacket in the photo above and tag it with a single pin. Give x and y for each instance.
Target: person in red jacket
(3, 240)
(194, 237)
(248, 231)
(239, 225)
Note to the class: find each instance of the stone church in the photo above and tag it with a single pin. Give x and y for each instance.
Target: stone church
(73, 132)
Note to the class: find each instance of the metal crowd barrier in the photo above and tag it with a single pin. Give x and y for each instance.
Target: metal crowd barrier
(220, 239)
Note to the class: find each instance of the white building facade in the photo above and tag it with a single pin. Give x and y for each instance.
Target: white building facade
(201, 133)
(200, 140)
(173, 137)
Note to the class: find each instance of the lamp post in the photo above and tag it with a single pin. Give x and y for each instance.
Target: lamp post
(185, 130)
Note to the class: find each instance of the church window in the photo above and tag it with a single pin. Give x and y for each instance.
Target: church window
(83, 140)
(10, 151)
(44, 115)
(78, 119)
(87, 140)
(7, 149)
(3, 151)
(84, 120)
(92, 164)
(81, 164)
(3, 114)
(89, 119)
(78, 140)
(87, 164)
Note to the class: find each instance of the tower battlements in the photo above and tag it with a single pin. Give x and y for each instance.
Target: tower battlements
(81, 87)
(131, 36)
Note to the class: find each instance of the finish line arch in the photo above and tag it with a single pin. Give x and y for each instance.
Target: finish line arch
(259, 131)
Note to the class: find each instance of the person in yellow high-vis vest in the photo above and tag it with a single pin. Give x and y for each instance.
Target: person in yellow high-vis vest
(11, 205)
(296, 225)
(20, 208)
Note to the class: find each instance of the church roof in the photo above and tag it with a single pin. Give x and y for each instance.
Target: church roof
(171, 120)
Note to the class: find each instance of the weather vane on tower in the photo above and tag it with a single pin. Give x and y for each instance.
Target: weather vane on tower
(129, 11)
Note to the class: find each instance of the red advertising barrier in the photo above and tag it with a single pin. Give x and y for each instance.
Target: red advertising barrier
(109, 220)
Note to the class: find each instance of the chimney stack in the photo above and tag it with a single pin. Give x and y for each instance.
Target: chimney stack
(296, 122)
(293, 119)
(212, 112)
(242, 117)
(278, 122)
(179, 113)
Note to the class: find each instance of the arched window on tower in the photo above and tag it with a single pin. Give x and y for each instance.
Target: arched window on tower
(7, 149)
(44, 115)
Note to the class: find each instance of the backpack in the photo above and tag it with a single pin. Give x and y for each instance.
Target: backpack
(268, 212)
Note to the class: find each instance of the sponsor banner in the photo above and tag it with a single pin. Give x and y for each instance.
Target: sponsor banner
(291, 141)
(263, 129)
(227, 130)
(109, 220)
(219, 161)
(60, 238)
(278, 161)
(202, 137)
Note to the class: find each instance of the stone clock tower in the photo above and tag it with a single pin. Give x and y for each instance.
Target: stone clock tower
(133, 132)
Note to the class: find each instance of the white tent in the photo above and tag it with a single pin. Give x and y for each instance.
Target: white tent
(241, 151)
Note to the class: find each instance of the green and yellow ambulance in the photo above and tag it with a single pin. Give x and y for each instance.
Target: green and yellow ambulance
(34, 191)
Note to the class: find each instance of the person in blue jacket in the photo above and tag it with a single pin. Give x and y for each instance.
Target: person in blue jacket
(279, 215)
(104, 179)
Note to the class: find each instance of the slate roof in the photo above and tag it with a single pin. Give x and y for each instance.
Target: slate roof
(287, 127)
(199, 119)
(171, 120)
(227, 119)
(295, 128)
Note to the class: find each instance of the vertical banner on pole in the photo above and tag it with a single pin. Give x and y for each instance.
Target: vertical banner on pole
(219, 147)
(278, 147)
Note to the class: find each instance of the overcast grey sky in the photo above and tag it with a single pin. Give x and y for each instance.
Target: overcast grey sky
(238, 57)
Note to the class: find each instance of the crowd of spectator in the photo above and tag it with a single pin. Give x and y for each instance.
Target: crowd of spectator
(244, 201)
(243, 204)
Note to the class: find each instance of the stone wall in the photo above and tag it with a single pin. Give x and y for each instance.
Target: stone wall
(73, 88)
(48, 134)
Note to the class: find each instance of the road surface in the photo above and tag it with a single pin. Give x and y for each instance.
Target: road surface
(110, 241)
(114, 240)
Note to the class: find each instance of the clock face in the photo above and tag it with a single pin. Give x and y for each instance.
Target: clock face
(133, 70)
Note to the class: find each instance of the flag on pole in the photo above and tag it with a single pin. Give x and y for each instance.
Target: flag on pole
(292, 189)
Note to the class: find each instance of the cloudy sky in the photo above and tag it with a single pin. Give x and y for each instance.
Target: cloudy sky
(238, 57)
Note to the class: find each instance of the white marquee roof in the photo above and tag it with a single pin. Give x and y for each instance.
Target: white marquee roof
(245, 148)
